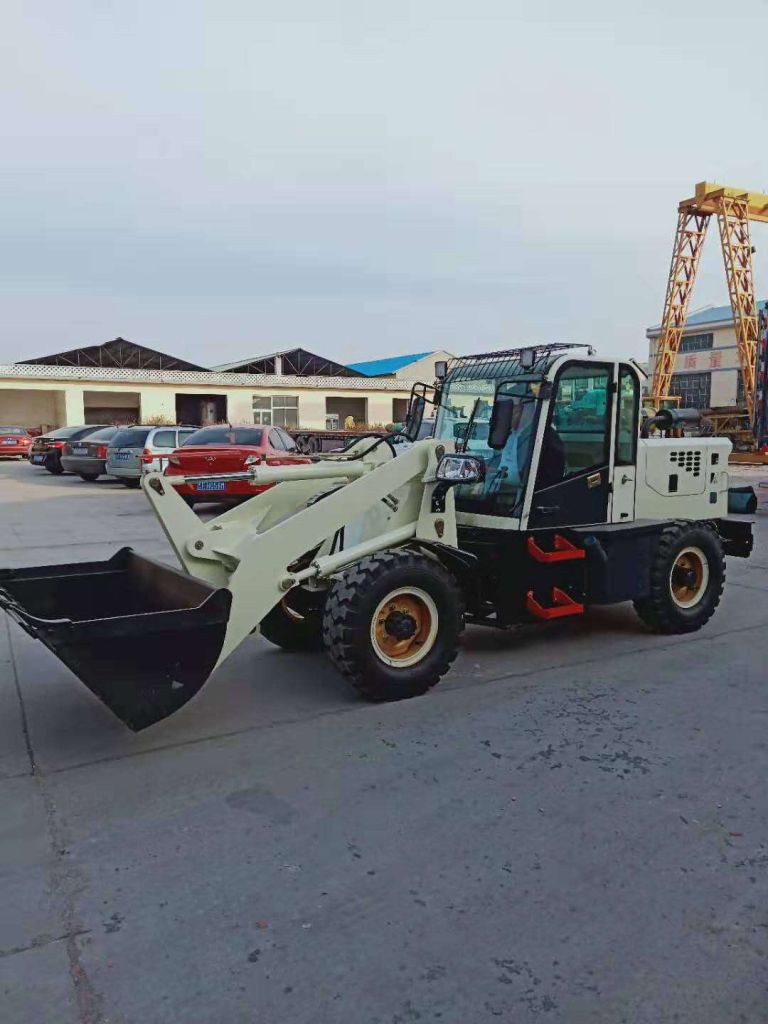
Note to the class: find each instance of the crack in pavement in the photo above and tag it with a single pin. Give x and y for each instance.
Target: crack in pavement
(40, 941)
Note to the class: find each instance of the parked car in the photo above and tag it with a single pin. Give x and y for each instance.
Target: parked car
(224, 449)
(46, 451)
(137, 450)
(87, 457)
(14, 442)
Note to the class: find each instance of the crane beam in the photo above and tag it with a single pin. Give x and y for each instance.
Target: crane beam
(709, 196)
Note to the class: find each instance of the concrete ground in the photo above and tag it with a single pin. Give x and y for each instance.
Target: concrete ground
(573, 827)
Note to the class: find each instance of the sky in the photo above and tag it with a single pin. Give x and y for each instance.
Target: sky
(225, 178)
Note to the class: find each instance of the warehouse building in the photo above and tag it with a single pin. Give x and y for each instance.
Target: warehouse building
(123, 382)
(707, 374)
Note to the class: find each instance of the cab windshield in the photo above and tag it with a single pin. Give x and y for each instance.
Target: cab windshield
(464, 417)
(462, 400)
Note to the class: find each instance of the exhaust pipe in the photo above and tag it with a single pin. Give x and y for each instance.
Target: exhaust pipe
(142, 636)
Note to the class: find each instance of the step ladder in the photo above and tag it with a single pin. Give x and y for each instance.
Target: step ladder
(562, 604)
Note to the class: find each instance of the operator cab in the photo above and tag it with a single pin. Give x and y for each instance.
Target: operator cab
(557, 433)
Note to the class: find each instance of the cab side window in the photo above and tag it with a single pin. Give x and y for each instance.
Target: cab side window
(626, 426)
(580, 418)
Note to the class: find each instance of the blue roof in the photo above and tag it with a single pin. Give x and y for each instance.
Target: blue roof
(711, 315)
(714, 315)
(378, 367)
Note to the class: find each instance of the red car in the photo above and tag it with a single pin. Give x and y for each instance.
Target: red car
(225, 449)
(14, 442)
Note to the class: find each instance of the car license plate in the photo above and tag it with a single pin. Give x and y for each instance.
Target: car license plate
(211, 485)
(38, 458)
(122, 456)
(8, 440)
(79, 451)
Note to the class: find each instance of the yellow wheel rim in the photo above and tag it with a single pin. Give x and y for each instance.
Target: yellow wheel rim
(404, 627)
(689, 577)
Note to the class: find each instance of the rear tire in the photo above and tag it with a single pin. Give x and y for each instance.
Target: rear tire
(292, 629)
(687, 579)
(89, 477)
(392, 624)
(53, 465)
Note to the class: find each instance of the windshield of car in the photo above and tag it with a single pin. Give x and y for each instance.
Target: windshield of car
(132, 437)
(12, 430)
(105, 434)
(224, 435)
(65, 432)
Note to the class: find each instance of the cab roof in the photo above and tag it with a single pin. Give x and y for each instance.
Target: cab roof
(532, 361)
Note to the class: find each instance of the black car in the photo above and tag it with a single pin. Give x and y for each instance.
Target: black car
(48, 449)
(87, 456)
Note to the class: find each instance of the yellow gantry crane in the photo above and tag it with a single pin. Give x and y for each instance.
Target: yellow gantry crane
(734, 209)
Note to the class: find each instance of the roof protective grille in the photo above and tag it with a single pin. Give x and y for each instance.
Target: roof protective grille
(508, 363)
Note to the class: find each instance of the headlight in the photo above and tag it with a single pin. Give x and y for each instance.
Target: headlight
(460, 469)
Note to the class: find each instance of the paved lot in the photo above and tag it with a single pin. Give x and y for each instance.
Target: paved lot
(572, 828)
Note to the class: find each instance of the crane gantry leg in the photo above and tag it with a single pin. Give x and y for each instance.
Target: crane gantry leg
(689, 239)
(734, 209)
(733, 221)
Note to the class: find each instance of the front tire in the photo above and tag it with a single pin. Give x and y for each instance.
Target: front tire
(53, 465)
(132, 482)
(687, 579)
(392, 624)
(89, 477)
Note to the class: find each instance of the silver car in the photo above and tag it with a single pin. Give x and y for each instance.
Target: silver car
(137, 450)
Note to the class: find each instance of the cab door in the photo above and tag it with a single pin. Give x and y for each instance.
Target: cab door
(625, 454)
(574, 471)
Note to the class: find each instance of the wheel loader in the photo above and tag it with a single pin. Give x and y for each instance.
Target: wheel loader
(538, 497)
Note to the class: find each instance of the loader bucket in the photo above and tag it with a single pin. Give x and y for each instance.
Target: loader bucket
(142, 636)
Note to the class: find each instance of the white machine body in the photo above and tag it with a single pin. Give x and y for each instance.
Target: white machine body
(685, 477)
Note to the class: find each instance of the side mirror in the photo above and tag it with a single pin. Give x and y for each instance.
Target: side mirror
(414, 417)
(500, 426)
(460, 469)
(441, 369)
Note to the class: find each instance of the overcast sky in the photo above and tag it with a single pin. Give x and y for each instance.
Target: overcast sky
(222, 178)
